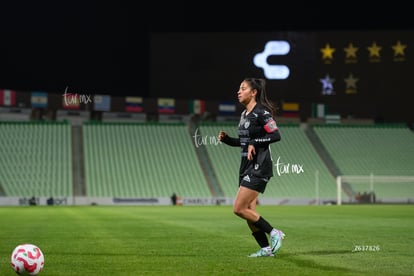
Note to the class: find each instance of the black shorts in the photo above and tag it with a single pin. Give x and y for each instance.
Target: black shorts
(254, 183)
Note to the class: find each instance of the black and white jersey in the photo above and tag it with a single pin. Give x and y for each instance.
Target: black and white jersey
(257, 128)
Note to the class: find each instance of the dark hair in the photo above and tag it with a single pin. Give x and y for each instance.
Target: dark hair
(260, 86)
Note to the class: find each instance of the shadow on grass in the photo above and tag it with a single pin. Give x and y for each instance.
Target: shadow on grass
(297, 260)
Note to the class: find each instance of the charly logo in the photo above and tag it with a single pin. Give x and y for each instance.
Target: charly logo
(273, 71)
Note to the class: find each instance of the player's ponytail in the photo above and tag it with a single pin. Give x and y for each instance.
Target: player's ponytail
(260, 86)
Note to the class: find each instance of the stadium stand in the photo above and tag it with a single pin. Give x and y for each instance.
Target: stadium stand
(36, 159)
(156, 159)
(381, 150)
(362, 150)
(141, 160)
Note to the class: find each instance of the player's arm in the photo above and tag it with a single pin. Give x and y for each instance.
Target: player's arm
(271, 134)
(223, 137)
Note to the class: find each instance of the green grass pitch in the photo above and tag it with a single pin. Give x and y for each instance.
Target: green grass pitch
(211, 240)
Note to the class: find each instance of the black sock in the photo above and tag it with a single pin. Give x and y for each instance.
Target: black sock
(261, 238)
(263, 225)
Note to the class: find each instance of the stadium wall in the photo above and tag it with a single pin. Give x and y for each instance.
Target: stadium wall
(160, 201)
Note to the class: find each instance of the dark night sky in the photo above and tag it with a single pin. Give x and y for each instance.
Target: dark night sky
(102, 47)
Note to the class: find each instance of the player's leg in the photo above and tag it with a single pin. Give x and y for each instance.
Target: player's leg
(245, 207)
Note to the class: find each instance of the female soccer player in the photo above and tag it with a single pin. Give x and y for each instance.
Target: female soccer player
(257, 129)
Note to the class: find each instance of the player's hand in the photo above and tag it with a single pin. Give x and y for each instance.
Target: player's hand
(221, 135)
(250, 152)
